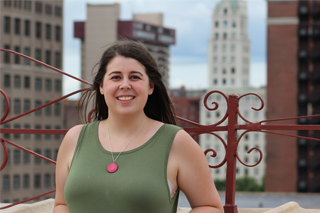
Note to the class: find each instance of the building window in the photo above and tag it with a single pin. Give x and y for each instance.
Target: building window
(26, 27)
(224, 35)
(215, 71)
(26, 105)
(233, 48)
(6, 135)
(37, 104)
(17, 106)
(225, 24)
(216, 36)
(215, 59)
(17, 57)
(16, 181)
(26, 82)
(48, 84)
(58, 11)
(17, 81)
(26, 137)
(38, 56)
(232, 81)
(27, 53)
(233, 35)
(6, 55)
(233, 70)
(47, 136)
(57, 137)
(7, 80)
(224, 71)
(224, 48)
(47, 180)
(224, 59)
(37, 160)
(48, 31)
(58, 60)
(38, 29)
(216, 24)
(57, 109)
(215, 81)
(234, 24)
(16, 156)
(233, 59)
(215, 48)
(58, 33)
(48, 57)
(7, 24)
(47, 109)
(16, 135)
(224, 81)
(37, 181)
(38, 84)
(6, 182)
(38, 7)
(55, 154)
(225, 11)
(26, 181)
(17, 26)
(57, 85)
(47, 154)
(48, 9)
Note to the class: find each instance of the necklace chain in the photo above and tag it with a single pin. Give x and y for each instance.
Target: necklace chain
(114, 160)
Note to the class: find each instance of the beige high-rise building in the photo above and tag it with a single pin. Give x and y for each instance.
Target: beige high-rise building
(103, 26)
(34, 28)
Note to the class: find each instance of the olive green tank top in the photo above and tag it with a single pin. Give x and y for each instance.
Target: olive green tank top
(139, 186)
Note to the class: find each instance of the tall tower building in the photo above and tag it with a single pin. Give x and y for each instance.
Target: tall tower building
(34, 28)
(103, 26)
(229, 63)
(293, 90)
(229, 46)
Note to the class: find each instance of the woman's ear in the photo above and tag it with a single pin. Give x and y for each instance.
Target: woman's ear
(151, 88)
(101, 89)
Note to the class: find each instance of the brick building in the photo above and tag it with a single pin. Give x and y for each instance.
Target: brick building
(293, 66)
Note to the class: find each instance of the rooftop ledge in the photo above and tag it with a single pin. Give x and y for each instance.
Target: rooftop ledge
(46, 206)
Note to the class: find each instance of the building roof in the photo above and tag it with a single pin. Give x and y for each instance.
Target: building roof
(233, 4)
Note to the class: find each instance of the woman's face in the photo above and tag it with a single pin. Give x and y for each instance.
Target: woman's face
(125, 86)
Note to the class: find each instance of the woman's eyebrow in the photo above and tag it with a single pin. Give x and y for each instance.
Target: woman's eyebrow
(136, 72)
(132, 72)
(114, 72)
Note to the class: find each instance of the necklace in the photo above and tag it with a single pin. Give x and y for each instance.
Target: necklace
(113, 167)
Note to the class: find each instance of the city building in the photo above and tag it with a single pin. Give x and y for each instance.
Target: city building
(103, 26)
(187, 104)
(34, 28)
(229, 72)
(293, 45)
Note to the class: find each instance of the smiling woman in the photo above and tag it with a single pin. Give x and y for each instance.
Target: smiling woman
(132, 157)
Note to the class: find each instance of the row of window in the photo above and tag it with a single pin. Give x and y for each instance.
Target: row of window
(225, 82)
(225, 35)
(246, 172)
(24, 157)
(49, 57)
(224, 70)
(28, 136)
(27, 29)
(224, 48)
(225, 24)
(39, 7)
(17, 107)
(224, 59)
(26, 83)
(24, 181)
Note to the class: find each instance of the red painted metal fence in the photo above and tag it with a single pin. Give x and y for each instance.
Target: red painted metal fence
(230, 146)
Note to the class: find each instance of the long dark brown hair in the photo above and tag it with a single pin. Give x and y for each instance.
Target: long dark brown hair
(158, 107)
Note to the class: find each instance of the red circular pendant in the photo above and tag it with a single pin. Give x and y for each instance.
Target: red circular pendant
(112, 168)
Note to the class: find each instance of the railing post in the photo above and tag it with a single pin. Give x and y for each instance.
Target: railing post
(230, 206)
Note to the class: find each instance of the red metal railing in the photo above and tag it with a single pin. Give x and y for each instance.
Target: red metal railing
(231, 115)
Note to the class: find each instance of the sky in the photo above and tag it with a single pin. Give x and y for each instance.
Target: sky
(188, 57)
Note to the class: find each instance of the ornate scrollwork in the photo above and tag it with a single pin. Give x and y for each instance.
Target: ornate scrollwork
(216, 105)
(261, 107)
(254, 148)
(5, 159)
(215, 153)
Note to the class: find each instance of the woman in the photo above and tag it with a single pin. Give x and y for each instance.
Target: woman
(132, 158)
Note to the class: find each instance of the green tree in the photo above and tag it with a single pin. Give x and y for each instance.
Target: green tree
(244, 184)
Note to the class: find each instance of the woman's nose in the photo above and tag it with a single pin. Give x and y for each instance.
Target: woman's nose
(125, 84)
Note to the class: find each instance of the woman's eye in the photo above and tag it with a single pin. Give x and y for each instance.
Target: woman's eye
(135, 77)
(115, 77)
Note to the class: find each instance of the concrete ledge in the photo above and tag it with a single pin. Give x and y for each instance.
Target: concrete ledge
(46, 206)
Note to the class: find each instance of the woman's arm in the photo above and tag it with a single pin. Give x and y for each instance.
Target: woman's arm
(194, 177)
(64, 158)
